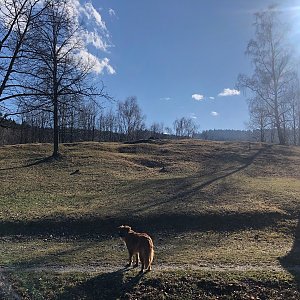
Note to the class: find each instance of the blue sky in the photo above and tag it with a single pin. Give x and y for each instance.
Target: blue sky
(163, 52)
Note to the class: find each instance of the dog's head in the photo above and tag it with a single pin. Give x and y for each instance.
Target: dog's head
(123, 230)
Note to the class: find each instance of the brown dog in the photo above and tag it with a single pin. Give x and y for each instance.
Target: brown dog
(138, 244)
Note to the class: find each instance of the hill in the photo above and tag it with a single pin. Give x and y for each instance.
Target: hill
(223, 216)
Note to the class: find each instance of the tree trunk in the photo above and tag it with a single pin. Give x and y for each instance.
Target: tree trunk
(294, 125)
(280, 133)
(55, 129)
(262, 132)
(299, 128)
(72, 129)
(55, 94)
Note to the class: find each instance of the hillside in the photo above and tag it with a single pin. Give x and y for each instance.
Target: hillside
(211, 207)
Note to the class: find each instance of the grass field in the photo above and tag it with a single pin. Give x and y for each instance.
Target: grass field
(223, 217)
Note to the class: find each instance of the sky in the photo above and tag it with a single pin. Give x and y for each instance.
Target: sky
(180, 58)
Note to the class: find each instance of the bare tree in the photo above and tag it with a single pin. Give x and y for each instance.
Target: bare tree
(58, 73)
(259, 117)
(157, 129)
(184, 127)
(131, 119)
(16, 21)
(168, 130)
(87, 120)
(108, 125)
(273, 70)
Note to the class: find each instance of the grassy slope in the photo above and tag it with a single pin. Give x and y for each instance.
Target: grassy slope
(214, 204)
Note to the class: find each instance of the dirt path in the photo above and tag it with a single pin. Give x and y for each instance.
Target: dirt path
(164, 267)
(6, 289)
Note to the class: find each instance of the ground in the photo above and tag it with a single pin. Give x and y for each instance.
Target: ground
(223, 217)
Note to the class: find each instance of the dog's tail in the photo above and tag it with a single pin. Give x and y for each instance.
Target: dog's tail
(150, 256)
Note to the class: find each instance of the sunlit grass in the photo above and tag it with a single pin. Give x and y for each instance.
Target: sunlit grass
(205, 204)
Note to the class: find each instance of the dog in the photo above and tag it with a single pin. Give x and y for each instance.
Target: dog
(138, 244)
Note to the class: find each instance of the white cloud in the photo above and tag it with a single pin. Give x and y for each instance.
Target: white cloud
(229, 92)
(98, 65)
(104, 64)
(193, 116)
(94, 34)
(109, 68)
(111, 12)
(96, 40)
(211, 98)
(94, 30)
(166, 98)
(197, 97)
(214, 114)
(91, 13)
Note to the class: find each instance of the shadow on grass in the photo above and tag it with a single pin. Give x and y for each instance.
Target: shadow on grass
(104, 286)
(185, 188)
(35, 162)
(291, 262)
(156, 224)
(53, 258)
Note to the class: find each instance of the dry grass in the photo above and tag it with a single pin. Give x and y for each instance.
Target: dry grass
(204, 203)
(116, 179)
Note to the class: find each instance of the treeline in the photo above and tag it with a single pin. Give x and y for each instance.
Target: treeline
(25, 133)
(270, 135)
(105, 127)
(226, 135)
(88, 122)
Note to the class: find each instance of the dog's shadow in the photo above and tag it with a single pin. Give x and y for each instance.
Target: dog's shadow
(291, 261)
(111, 285)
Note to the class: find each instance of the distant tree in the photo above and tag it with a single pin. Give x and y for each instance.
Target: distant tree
(259, 118)
(156, 129)
(184, 127)
(131, 119)
(87, 120)
(226, 135)
(294, 113)
(111, 124)
(204, 135)
(273, 70)
(168, 130)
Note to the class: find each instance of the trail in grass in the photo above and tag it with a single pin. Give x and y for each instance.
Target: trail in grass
(164, 267)
(6, 289)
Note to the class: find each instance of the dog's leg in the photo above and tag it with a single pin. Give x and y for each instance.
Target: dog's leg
(148, 269)
(136, 260)
(130, 260)
(143, 264)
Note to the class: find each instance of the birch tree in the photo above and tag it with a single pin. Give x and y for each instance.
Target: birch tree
(273, 71)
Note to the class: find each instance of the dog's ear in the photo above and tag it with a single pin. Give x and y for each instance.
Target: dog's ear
(128, 228)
